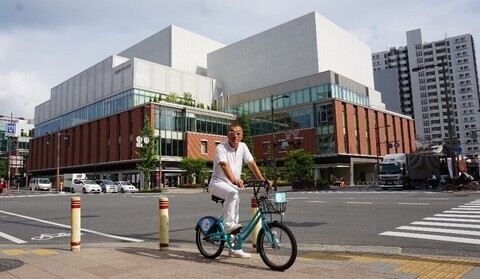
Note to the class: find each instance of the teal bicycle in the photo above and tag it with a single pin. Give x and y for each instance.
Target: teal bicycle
(275, 242)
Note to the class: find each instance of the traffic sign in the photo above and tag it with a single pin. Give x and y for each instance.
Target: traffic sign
(458, 149)
(11, 128)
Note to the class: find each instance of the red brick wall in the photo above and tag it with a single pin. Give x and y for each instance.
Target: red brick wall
(194, 145)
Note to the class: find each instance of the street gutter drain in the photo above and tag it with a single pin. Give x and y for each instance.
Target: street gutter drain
(7, 264)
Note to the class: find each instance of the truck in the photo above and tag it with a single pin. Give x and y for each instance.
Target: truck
(404, 171)
(67, 179)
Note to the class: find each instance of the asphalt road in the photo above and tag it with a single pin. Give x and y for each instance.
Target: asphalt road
(419, 222)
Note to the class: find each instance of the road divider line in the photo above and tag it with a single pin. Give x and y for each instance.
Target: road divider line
(360, 202)
(414, 203)
(68, 227)
(12, 238)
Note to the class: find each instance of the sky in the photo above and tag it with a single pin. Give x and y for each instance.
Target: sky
(45, 42)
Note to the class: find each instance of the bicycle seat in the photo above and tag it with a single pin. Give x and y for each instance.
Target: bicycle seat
(217, 199)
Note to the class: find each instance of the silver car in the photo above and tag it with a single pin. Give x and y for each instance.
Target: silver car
(107, 185)
(85, 186)
(125, 186)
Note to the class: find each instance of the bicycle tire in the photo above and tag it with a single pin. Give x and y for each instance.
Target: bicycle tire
(209, 248)
(282, 256)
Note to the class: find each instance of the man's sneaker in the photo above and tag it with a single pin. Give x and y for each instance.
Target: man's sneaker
(229, 230)
(239, 254)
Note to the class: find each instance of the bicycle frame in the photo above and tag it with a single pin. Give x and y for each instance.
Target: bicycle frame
(235, 241)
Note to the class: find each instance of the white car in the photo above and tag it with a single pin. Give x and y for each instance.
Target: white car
(85, 186)
(40, 184)
(125, 186)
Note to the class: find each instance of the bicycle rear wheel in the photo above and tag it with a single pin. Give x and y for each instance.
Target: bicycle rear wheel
(209, 247)
(277, 246)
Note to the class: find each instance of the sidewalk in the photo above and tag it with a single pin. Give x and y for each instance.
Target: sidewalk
(184, 261)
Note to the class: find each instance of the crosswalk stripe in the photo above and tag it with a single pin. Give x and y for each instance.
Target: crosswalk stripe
(425, 229)
(463, 208)
(463, 212)
(458, 215)
(446, 224)
(452, 220)
(433, 237)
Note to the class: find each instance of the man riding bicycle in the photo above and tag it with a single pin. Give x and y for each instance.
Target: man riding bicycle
(226, 181)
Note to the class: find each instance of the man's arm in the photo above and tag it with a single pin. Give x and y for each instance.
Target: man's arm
(227, 170)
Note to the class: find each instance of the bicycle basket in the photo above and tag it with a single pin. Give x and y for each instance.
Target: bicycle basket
(268, 205)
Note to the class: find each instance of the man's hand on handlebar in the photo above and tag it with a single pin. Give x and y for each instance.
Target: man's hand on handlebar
(239, 183)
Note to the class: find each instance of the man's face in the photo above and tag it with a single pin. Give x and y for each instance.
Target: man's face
(235, 135)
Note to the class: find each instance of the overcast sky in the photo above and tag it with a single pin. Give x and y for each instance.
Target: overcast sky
(45, 42)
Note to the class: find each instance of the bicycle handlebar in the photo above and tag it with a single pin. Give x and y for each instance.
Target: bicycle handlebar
(256, 188)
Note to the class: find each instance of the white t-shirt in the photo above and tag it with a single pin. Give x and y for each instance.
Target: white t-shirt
(224, 153)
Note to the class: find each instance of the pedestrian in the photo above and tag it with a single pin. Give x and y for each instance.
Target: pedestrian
(205, 185)
(226, 181)
(1, 187)
(342, 182)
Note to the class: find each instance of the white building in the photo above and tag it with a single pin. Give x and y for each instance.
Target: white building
(173, 60)
(302, 47)
(422, 95)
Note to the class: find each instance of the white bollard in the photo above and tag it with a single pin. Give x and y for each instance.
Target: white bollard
(75, 224)
(163, 223)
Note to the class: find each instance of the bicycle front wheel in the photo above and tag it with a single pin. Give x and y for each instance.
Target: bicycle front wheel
(277, 246)
(210, 247)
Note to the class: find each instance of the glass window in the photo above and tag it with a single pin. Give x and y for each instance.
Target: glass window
(203, 147)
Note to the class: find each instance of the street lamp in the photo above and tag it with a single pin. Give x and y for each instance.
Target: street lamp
(449, 119)
(274, 157)
(378, 147)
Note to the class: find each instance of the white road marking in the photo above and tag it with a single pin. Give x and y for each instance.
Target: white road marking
(462, 211)
(12, 238)
(457, 215)
(434, 237)
(463, 208)
(316, 201)
(451, 219)
(456, 225)
(414, 203)
(424, 229)
(360, 202)
(65, 226)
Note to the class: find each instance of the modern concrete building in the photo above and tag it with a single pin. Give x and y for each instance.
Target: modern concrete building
(332, 107)
(423, 95)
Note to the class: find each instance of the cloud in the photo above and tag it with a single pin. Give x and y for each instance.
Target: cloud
(20, 93)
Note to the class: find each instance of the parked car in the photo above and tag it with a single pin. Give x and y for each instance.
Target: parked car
(40, 184)
(85, 186)
(107, 185)
(125, 186)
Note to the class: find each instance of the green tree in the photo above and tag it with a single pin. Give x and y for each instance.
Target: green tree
(194, 166)
(3, 169)
(299, 164)
(248, 140)
(247, 134)
(188, 99)
(147, 152)
(172, 98)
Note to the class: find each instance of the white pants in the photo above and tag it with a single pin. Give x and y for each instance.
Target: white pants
(229, 193)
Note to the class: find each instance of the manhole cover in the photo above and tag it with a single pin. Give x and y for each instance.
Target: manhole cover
(6, 264)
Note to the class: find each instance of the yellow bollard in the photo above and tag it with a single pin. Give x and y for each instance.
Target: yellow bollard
(163, 223)
(75, 224)
(256, 229)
